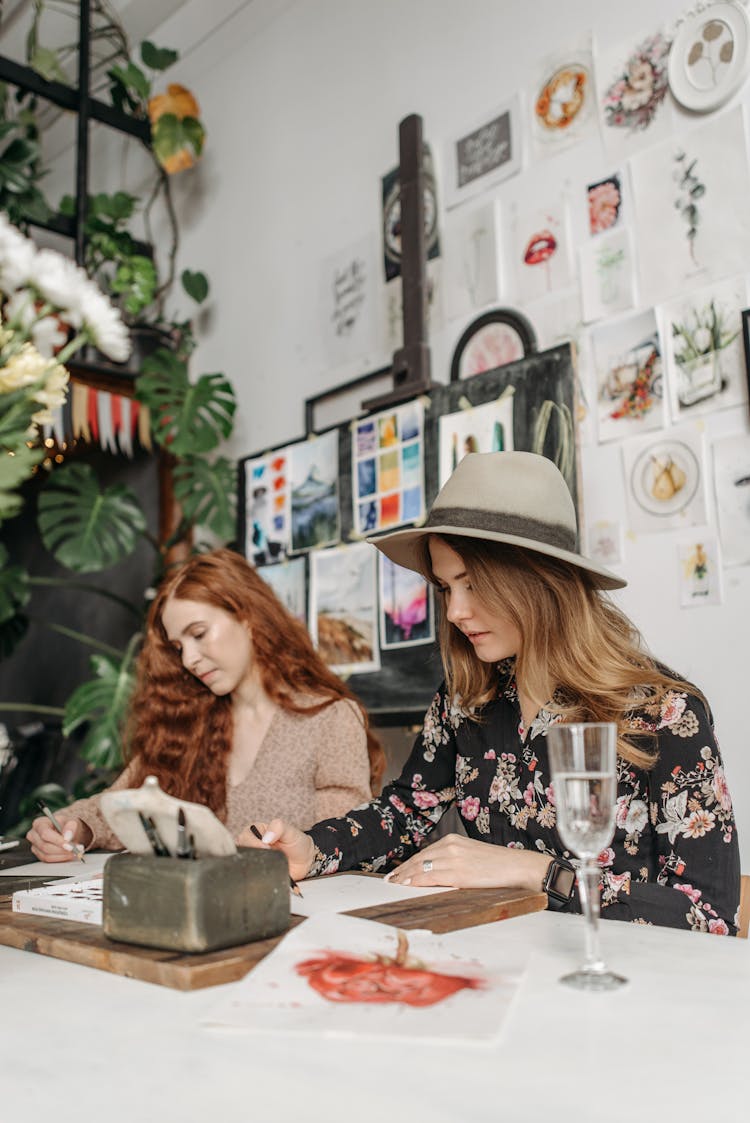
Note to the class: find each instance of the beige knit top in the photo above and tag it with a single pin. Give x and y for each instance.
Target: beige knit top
(309, 767)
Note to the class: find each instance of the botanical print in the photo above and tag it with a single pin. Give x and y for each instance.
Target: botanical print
(348, 313)
(605, 542)
(541, 251)
(692, 219)
(289, 581)
(709, 57)
(627, 356)
(484, 428)
(604, 203)
(665, 480)
(345, 975)
(315, 496)
(562, 99)
(700, 572)
(343, 607)
(635, 88)
(471, 268)
(489, 153)
(388, 468)
(706, 364)
(731, 456)
(267, 507)
(406, 617)
(607, 268)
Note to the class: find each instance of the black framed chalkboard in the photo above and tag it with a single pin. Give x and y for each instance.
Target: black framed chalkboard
(544, 389)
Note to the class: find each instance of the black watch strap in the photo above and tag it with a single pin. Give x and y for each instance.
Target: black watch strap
(559, 883)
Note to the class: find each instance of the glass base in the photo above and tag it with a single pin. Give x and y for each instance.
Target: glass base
(593, 980)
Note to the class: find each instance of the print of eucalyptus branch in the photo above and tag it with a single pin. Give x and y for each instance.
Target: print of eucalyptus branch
(706, 51)
(690, 191)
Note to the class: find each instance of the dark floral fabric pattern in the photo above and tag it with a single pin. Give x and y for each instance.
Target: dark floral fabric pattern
(674, 858)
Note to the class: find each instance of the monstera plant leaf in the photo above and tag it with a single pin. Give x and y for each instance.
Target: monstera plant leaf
(188, 417)
(14, 595)
(15, 469)
(85, 528)
(206, 491)
(102, 702)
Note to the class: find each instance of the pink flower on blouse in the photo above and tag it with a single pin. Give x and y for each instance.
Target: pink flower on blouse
(672, 709)
(694, 894)
(528, 795)
(718, 927)
(423, 800)
(469, 807)
(606, 857)
(721, 791)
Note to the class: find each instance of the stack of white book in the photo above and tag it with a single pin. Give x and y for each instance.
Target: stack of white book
(69, 899)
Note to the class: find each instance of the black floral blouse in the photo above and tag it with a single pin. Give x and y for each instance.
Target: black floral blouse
(674, 858)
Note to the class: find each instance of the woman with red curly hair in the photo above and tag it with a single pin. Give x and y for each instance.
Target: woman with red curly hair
(234, 709)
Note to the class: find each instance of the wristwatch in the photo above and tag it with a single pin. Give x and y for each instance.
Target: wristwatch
(559, 883)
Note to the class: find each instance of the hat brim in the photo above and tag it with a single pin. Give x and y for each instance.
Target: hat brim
(402, 547)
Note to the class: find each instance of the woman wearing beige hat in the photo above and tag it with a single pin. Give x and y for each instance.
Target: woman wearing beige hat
(528, 639)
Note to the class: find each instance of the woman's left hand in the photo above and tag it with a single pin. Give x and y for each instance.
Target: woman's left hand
(465, 863)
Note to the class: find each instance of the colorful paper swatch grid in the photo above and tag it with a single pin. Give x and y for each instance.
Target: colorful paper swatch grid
(388, 468)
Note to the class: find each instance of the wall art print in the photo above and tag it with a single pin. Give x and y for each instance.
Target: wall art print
(692, 218)
(267, 507)
(288, 580)
(710, 55)
(700, 572)
(388, 468)
(392, 305)
(314, 478)
(664, 475)
(344, 607)
(472, 262)
(483, 428)
(484, 155)
(731, 458)
(562, 99)
(406, 609)
(605, 203)
(492, 340)
(349, 303)
(634, 107)
(605, 540)
(703, 333)
(541, 251)
(607, 270)
(628, 362)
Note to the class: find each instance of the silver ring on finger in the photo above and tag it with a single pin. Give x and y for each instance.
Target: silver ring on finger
(427, 866)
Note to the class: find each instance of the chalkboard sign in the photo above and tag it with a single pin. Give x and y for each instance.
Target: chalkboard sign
(543, 389)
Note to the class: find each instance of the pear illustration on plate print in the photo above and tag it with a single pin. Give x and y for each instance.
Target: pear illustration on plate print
(667, 478)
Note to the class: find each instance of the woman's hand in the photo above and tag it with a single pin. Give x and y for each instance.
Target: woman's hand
(50, 846)
(465, 863)
(297, 846)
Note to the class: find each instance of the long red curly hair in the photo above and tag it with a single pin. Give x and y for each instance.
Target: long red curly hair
(182, 733)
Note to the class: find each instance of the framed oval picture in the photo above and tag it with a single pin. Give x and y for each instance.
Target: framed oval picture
(492, 340)
(710, 56)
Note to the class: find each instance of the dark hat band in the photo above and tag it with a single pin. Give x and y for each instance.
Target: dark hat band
(516, 526)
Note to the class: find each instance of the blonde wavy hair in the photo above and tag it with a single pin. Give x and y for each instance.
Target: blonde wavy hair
(577, 648)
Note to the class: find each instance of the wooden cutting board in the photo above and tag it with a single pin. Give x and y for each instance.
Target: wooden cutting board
(86, 944)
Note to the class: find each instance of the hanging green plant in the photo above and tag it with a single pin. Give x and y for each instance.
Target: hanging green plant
(205, 491)
(187, 417)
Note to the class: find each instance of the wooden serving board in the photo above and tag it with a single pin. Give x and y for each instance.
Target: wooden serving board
(86, 944)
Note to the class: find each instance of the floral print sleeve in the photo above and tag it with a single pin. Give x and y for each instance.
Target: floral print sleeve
(387, 829)
(675, 834)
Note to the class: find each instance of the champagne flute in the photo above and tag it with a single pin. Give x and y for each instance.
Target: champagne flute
(583, 764)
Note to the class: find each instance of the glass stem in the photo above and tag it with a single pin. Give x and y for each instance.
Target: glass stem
(588, 889)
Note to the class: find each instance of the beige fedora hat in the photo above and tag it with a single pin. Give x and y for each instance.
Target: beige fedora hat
(515, 497)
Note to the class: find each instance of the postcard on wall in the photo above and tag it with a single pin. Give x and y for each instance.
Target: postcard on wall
(406, 612)
(562, 99)
(483, 428)
(605, 203)
(692, 218)
(349, 296)
(343, 975)
(634, 107)
(605, 540)
(388, 468)
(541, 251)
(472, 261)
(628, 363)
(607, 271)
(665, 479)
(731, 457)
(705, 357)
(268, 516)
(344, 607)
(700, 572)
(483, 155)
(288, 580)
(314, 475)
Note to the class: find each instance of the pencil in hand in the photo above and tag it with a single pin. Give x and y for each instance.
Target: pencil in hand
(292, 883)
(75, 846)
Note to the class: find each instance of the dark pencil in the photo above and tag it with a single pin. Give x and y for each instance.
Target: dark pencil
(292, 883)
(75, 846)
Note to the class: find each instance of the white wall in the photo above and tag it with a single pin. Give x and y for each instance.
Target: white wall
(302, 100)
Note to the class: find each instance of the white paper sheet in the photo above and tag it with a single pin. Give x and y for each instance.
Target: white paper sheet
(92, 863)
(344, 892)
